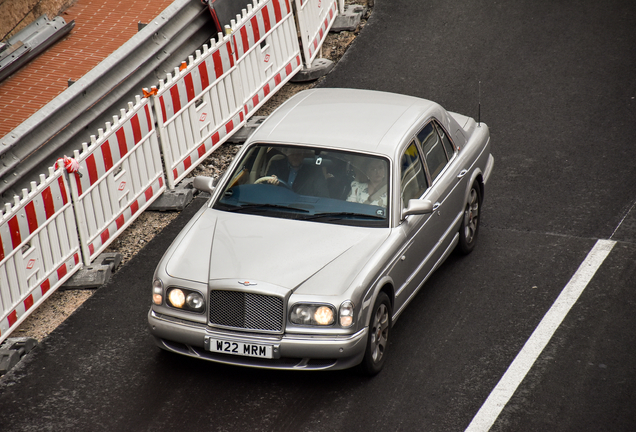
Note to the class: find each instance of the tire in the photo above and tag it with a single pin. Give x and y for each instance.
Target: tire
(470, 222)
(378, 340)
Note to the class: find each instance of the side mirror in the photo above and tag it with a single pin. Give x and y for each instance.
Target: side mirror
(417, 207)
(204, 184)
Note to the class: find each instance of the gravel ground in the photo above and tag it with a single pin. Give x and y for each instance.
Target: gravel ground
(62, 304)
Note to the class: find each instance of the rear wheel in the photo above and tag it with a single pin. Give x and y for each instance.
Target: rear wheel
(470, 222)
(378, 340)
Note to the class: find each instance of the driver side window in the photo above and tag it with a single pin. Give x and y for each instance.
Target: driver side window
(413, 177)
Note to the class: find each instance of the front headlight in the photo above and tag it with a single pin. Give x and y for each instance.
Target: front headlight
(194, 300)
(308, 314)
(176, 297)
(185, 299)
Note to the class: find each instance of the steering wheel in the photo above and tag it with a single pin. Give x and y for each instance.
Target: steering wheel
(273, 180)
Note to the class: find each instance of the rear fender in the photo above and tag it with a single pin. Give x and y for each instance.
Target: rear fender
(476, 177)
(480, 134)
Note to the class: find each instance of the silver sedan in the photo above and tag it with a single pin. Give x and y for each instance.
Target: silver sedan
(330, 219)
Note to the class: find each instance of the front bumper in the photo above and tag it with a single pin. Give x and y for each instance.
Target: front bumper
(290, 352)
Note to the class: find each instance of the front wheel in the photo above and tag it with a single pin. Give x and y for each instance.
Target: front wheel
(470, 222)
(378, 341)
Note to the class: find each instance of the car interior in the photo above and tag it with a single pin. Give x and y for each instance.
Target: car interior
(339, 169)
(320, 188)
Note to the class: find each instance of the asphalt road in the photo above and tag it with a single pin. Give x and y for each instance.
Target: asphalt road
(558, 91)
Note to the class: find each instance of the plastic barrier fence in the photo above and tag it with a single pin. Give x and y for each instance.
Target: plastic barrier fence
(120, 172)
(198, 108)
(120, 175)
(266, 50)
(315, 18)
(209, 98)
(39, 248)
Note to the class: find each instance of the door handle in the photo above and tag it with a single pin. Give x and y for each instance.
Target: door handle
(436, 206)
(462, 173)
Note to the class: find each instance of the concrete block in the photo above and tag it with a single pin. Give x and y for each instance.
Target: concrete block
(94, 275)
(12, 350)
(113, 259)
(319, 68)
(176, 199)
(349, 20)
(247, 130)
(8, 359)
(22, 344)
(89, 277)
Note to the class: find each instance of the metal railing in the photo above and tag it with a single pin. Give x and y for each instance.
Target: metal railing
(62, 125)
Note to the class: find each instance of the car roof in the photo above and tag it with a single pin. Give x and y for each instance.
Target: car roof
(359, 120)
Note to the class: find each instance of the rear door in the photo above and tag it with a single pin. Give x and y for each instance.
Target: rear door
(447, 180)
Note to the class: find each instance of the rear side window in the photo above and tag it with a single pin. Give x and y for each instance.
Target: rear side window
(448, 145)
(433, 148)
(413, 177)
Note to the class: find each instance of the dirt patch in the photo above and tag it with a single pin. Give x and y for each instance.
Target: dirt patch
(17, 14)
(61, 304)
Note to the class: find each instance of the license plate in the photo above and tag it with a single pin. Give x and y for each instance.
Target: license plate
(241, 348)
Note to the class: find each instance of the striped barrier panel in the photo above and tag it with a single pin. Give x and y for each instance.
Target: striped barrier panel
(266, 50)
(211, 96)
(198, 108)
(120, 175)
(39, 248)
(315, 18)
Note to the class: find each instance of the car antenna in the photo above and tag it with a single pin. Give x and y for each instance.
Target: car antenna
(479, 106)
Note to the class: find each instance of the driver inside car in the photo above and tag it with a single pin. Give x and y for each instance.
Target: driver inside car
(303, 178)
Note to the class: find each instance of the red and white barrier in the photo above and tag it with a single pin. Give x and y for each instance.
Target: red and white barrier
(198, 108)
(315, 18)
(266, 50)
(120, 175)
(209, 98)
(39, 248)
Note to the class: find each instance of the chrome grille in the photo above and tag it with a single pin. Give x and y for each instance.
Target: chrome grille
(246, 310)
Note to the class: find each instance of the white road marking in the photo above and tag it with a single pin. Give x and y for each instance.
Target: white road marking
(623, 220)
(501, 394)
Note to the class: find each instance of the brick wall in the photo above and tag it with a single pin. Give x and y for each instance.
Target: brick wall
(100, 28)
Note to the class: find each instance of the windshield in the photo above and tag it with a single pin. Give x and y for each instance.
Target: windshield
(311, 184)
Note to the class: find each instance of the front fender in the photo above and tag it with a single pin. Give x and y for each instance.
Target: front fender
(369, 299)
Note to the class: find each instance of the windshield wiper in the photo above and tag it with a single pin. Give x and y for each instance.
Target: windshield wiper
(264, 207)
(343, 214)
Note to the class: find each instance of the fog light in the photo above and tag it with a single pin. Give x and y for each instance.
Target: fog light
(176, 298)
(157, 291)
(346, 314)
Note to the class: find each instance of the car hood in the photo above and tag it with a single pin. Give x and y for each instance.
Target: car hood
(282, 252)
